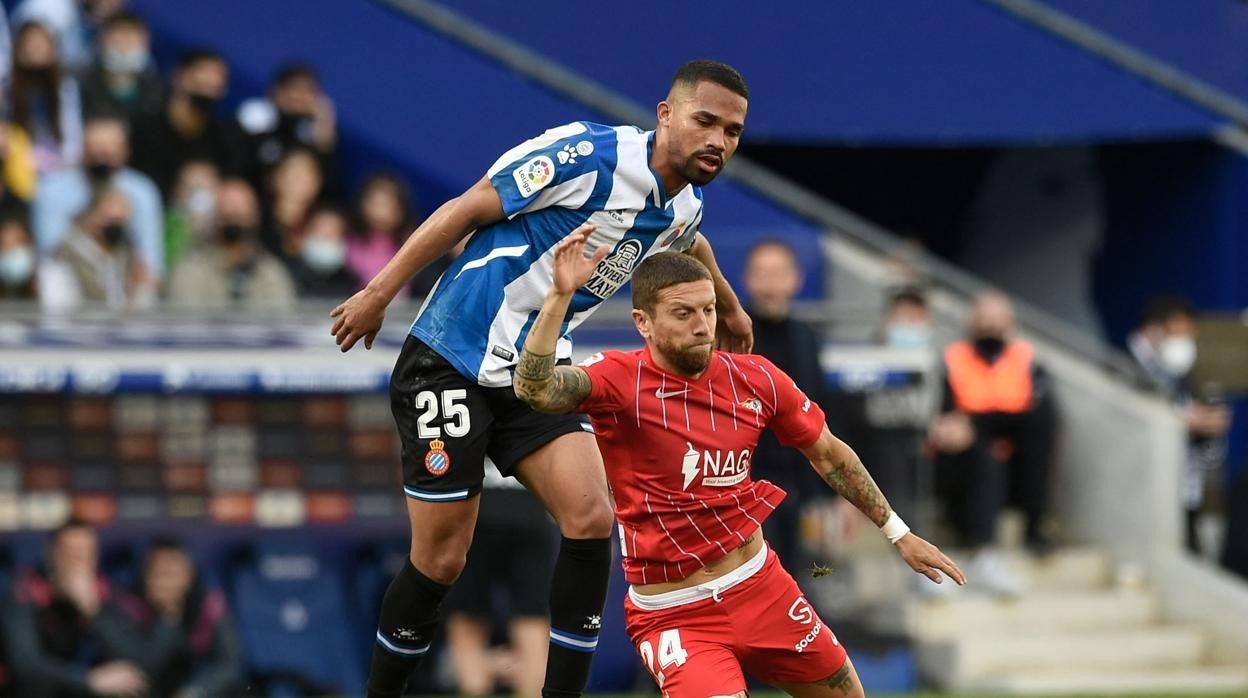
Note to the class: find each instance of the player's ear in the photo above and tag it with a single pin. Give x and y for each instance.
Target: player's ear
(664, 113)
(641, 322)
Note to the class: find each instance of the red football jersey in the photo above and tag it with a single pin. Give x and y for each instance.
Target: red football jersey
(678, 454)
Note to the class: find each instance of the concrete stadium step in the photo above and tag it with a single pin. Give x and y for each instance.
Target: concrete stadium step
(966, 615)
(1153, 647)
(1194, 679)
(883, 577)
(1067, 569)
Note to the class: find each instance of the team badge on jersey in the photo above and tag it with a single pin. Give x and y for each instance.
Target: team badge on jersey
(753, 404)
(437, 460)
(533, 175)
(614, 271)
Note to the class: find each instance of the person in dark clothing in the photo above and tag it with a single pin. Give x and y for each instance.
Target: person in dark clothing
(188, 128)
(65, 635)
(772, 280)
(123, 80)
(993, 439)
(188, 645)
(296, 114)
(320, 270)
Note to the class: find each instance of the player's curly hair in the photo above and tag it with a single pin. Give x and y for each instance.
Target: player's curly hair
(722, 74)
(660, 271)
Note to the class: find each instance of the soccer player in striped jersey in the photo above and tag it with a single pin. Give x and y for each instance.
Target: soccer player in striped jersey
(677, 423)
(451, 388)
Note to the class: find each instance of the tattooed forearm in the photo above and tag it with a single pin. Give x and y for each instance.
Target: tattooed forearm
(536, 368)
(852, 481)
(842, 680)
(558, 392)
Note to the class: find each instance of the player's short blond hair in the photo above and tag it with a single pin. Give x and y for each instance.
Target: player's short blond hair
(660, 271)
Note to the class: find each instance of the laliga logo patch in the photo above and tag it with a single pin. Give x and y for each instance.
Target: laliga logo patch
(437, 460)
(533, 175)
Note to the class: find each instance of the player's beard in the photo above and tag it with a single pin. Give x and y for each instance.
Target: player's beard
(695, 174)
(688, 361)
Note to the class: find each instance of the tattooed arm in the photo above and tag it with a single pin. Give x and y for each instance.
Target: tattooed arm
(840, 467)
(538, 381)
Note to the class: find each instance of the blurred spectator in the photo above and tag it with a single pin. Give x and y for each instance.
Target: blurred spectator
(513, 553)
(96, 262)
(64, 634)
(6, 52)
(19, 274)
(123, 80)
(892, 419)
(45, 99)
(295, 187)
(17, 166)
(188, 127)
(191, 218)
(383, 220)
(189, 646)
(772, 280)
(994, 439)
(321, 268)
(295, 114)
(74, 22)
(65, 192)
(235, 270)
(1165, 346)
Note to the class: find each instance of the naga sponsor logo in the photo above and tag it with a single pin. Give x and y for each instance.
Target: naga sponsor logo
(718, 468)
(614, 271)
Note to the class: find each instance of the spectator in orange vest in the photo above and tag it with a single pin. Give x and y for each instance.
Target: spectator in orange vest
(993, 439)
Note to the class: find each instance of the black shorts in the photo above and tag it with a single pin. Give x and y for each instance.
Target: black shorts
(448, 425)
(512, 553)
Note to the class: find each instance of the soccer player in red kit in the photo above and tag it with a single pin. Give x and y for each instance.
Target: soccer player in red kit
(677, 423)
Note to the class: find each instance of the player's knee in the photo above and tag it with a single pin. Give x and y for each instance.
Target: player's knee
(442, 564)
(594, 520)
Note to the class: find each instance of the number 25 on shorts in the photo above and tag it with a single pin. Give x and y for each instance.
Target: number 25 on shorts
(670, 654)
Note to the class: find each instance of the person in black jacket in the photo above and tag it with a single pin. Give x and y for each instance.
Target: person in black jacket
(65, 635)
(772, 280)
(188, 646)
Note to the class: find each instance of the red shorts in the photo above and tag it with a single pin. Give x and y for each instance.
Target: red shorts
(762, 625)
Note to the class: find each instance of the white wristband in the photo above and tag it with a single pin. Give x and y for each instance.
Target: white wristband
(894, 529)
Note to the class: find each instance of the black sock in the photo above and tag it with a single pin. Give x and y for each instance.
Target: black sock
(409, 617)
(578, 591)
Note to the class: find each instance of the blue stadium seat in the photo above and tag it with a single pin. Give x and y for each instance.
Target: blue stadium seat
(293, 617)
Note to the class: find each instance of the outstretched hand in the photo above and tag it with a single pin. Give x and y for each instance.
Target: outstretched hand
(927, 560)
(359, 317)
(572, 267)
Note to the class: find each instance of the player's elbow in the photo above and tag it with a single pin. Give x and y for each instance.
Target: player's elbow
(532, 394)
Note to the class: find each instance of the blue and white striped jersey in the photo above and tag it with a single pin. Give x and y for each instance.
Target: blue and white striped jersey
(480, 311)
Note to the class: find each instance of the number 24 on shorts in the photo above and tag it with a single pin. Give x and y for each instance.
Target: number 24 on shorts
(670, 653)
(458, 421)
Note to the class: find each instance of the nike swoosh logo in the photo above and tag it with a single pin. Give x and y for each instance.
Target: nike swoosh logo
(661, 394)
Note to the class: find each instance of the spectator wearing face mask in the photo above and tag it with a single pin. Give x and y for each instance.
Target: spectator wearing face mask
(321, 268)
(45, 99)
(65, 192)
(190, 220)
(96, 262)
(19, 272)
(1165, 347)
(234, 271)
(188, 127)
(993, 439)
(296, 114)
(122, 79)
